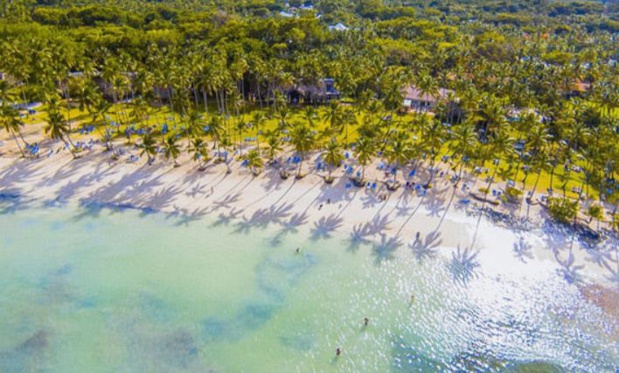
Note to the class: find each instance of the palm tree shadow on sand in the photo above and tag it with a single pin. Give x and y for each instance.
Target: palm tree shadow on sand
(224, 219)
(523, 250)
(325, 226)
(426, 249)
(463, 264)
(361, 232)
(385, 249)
(569, 270)
(12, 201)
(606, 256)
(289, 227)
(187, 217)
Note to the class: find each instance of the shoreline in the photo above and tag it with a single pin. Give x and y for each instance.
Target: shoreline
(442, 217)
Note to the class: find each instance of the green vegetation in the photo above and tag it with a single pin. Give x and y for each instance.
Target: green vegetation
(563, 209)
(523, 91)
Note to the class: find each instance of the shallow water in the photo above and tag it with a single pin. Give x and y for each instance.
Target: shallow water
(133, 291)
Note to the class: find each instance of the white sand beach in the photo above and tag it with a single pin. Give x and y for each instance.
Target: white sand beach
(440, 217)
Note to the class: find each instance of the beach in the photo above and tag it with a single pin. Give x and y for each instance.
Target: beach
(491, 261)
(442, 216)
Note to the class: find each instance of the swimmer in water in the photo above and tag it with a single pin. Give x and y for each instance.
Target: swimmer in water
(418, 235)
(412, 298)
(366, 321)
(298, 250)
(338, 351)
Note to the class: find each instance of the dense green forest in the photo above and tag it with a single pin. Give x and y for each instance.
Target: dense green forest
(533, 85)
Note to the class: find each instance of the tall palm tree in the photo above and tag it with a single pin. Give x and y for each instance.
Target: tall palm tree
(302, 138)
(332, 157)
(463, 144)
(172, 149)
(57, 128)
(334, 116)
(11, 122)
(215, 130)
(254, 161)
(398, 152)
(199, 152)
(258, 122)
(365, 150)
(149, 147)
(274, 144)
(433, 134)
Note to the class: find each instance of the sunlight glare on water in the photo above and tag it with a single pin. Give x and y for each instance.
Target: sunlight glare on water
(130, 291)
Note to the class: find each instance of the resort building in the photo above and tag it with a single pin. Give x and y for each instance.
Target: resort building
(338, 27)
(320, 93)
(415, 99)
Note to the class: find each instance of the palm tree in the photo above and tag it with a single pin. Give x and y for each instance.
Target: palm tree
(334, 116)
(99, 110)
(350, 119)
(463, 144)
(193, 125)
(254, 161)
(274, 144)
(302, 138)
(225, 143)
(199, 151)
(333, 157)
(502, 145)
(172, 149)
(259, 119)
(57, 128)
(398, 153)
(595, 211)
(10, 120)
(365, 150)
(215, 130)
(149, 147)
(433, 135)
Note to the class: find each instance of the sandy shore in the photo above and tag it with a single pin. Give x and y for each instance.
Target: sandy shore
(440, 223)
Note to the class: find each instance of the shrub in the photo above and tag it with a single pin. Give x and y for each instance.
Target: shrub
(562, 210)
(512, 194)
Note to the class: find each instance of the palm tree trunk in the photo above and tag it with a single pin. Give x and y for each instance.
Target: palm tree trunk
(300, 167)
(205, 101)
(18, 145)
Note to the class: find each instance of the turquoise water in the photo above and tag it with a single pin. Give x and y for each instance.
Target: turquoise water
(100, 290)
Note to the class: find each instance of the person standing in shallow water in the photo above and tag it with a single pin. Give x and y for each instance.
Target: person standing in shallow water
(338, 351)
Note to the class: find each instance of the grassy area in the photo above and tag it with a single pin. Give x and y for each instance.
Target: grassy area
(157, 116)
